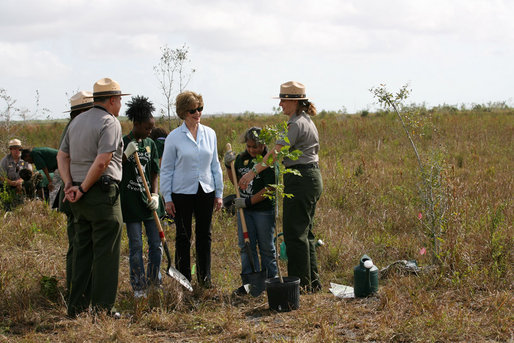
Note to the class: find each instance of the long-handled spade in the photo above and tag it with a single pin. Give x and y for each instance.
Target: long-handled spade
(255, 279)
(170, 271)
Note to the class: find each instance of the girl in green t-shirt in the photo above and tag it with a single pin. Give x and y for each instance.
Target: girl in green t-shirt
(258, 210)
(135, 205)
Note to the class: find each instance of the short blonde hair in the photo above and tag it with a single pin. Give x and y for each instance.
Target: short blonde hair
(185, 101)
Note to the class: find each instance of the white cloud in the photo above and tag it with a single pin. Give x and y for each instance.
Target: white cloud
(339, 48)
(24, 61)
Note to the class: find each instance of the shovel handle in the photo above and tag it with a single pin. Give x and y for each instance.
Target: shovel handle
(155, 215)
(149, 196)
(228, 147)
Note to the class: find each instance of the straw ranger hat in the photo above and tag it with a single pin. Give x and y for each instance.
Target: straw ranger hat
(292, 90)
(81, 100)
(14, 143)
(107, 87)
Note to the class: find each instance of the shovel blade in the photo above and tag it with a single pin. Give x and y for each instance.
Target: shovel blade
(174, 273)
(256, 281)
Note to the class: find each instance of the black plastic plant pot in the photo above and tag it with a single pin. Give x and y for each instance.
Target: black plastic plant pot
(283, 297)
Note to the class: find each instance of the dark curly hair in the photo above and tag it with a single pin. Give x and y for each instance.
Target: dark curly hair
(158, 132)
(139, 109)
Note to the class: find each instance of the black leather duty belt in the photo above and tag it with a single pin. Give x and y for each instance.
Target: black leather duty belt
(104, 180)
(305, 166)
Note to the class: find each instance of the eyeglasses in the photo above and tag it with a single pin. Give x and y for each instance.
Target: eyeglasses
(199, 109)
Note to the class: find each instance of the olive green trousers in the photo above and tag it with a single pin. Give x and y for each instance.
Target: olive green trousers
(298, 218)
(96, 250)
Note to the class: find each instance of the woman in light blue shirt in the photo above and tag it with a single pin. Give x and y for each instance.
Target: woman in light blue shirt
(192, 184)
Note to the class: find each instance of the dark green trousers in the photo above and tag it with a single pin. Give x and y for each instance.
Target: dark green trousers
(298, 219)
(96, 250)
(70, 230)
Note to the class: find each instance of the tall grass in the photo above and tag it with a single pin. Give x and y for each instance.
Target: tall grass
(370, 205)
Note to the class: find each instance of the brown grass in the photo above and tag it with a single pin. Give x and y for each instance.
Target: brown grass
(369, 205)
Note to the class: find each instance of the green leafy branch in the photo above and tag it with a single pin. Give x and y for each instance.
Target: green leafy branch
(269, 135)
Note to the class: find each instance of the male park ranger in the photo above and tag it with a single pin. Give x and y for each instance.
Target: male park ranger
(89, 162)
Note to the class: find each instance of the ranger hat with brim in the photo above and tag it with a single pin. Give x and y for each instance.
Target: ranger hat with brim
(80, 101)
(292, 90)
(107, 87)
(15, 143)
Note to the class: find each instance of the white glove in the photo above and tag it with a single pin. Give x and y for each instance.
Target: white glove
(130, 149)
(153, 204)
(242, 203)
(228, 158)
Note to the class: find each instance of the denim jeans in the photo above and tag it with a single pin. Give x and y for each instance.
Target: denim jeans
(137, 269)
(261, 228)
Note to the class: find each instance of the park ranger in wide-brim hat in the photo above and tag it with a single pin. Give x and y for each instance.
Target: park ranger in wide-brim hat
(292, 90)
(81, 101)
(106, 87)
(14, 143)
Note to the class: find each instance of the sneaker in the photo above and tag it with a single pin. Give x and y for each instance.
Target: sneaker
(115, 315)
(140, 294)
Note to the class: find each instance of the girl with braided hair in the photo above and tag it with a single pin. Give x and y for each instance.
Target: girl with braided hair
(135, 205)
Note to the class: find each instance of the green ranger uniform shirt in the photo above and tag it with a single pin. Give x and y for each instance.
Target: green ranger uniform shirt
(132, 191)
(243, 164)
(45, 157)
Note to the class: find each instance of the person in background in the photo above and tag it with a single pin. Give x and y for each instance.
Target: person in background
(10, 167)
(159, 135)
(298, 211)
(135, 206)
(90, 159)
(79, 102)
(45, 159)
(258, 210)
(192, 184)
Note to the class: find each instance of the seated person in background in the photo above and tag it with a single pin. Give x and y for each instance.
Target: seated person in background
(45, 159)
(10, 168)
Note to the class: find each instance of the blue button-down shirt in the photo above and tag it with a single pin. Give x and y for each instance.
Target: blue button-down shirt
(186, 162)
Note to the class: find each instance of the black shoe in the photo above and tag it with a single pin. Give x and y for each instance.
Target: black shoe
(241, 291)
(206, 283)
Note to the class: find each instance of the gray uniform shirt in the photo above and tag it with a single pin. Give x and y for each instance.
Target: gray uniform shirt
(303, 136)
(11, 168)
(94, 132)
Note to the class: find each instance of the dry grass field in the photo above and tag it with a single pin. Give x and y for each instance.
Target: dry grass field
(370, 205)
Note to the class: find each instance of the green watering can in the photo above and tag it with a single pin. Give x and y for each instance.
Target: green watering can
(365, 278)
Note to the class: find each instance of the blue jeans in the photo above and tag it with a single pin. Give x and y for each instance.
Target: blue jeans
(261, 228)
(137, 269)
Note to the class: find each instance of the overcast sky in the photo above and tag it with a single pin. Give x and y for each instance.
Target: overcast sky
(453, 52)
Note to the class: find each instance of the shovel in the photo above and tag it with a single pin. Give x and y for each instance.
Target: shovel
(255, 279)
(170, 271)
